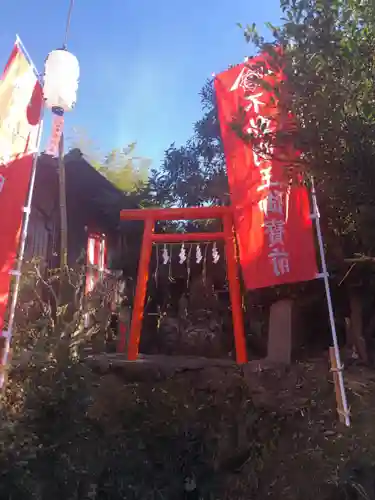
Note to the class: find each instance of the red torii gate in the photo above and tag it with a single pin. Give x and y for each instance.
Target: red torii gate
(149, 217)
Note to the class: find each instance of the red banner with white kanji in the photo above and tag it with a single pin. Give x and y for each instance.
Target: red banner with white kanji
(57, 130)
(272, 218)
(21, 103)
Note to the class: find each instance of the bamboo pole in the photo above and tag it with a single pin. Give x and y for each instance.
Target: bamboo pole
(63, 211)
(337, 368)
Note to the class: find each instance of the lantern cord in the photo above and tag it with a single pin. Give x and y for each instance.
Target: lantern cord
(67, 28)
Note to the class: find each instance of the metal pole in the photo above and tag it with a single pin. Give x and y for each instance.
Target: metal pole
(28, 58)
(329, 304)
(17, 271)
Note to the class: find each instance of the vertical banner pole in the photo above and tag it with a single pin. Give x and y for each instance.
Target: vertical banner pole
(21, 253)
(28, 58)
(338, 368)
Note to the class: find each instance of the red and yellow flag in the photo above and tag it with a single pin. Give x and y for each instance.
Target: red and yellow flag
(21, 102)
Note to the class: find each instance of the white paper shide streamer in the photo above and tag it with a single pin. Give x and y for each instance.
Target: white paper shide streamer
(165, 255)
(215, 254)
(182, 254)
(198, 254)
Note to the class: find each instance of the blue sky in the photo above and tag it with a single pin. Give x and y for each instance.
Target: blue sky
(143, 62)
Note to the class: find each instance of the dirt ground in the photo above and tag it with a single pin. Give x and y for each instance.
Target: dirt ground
(313, 447)
(298, 450)
(208, 433)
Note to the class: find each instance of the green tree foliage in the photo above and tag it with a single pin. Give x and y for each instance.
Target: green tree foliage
(329, 63)
(127, 172)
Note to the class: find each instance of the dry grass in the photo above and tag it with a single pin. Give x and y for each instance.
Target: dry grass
(313, 447)
(212, 433)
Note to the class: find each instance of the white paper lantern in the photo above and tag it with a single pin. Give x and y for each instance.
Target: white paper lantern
(61, 74)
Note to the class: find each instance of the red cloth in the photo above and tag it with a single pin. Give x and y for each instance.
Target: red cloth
(272, 219)
(20, 112)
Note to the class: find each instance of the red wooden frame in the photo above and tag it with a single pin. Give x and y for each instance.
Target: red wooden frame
(150, 216)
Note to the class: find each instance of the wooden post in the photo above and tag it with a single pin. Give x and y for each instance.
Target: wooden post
(335, 369)
(234, 291)
(140, 295)
(4, 360)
